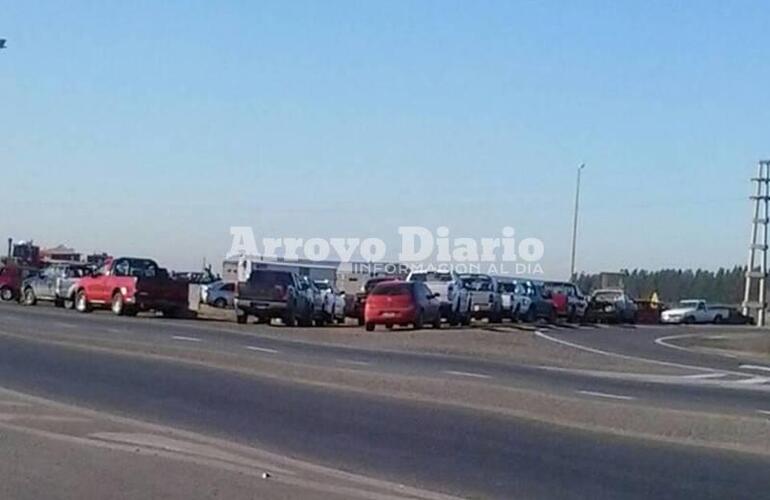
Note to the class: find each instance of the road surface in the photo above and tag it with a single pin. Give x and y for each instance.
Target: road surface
(439, 447)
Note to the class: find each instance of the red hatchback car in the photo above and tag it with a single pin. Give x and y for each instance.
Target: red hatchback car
(402, 303)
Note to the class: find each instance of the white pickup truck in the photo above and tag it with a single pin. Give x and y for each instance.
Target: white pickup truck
(694, 311)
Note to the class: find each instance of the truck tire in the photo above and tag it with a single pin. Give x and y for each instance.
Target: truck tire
(6, 294)
(81, 302)
(69, 303)
(290, 319)
(171, 312)
(718, 319)
(370, 327)
(29, 297)
(418, 321)
(220, 303)
(118, 304)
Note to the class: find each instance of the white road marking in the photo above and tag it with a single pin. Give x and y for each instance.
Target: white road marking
(354, 362)
(635, 358)
(261, 349)
(466, 374)
(664, 341)
(186, 339)
(764, 412)
(699, 376)
(753, 381)
(755, 367)
(66, 325)
(605, 395)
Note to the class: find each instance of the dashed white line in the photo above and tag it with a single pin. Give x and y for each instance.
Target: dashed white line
(261, 349)
(605, 395)
(186, 339)
(753, 381)
(755, 367)
(354, 362)
(467, 374)
(700, 376)
(764, 412)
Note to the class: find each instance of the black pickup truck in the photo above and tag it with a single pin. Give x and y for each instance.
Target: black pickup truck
(268, 294)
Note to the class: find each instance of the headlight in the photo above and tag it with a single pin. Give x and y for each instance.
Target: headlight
(609, 308)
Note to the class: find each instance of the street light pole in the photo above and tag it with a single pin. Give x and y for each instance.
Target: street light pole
(575, 222)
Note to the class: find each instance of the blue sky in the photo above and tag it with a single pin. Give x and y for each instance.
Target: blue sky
(152, 127)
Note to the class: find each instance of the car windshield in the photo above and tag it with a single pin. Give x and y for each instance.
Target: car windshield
(374, 282)
(272, 278)
(392, 289)
(477, 283)
(689, 304)
(432, 277)
(507, 287)
(138, 268)
(608, 296)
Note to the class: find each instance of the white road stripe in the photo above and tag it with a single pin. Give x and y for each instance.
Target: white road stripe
(605, 395)
(764, 412)
(186, 339)
(354, 362)
(699, 376)
(753, 381)
(261, 349)
(755, 367)
(466, 374)
(636, 358)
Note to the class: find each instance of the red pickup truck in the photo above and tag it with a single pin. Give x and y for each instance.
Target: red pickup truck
(129, 285)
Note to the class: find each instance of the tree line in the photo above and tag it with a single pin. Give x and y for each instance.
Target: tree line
(725, 286)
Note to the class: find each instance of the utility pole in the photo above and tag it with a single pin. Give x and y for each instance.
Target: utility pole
(575, 222)
(759, 242)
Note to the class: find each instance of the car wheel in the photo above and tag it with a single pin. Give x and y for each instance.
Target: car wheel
(531, 315)
(58, 303)
(369, 327)
(69, 304)
(29, 297)
(689, 320)
(220, 303)
(718, 319)
(6, 294)
(118, 304)
(81, 302)
(290, 319)
(418, 321)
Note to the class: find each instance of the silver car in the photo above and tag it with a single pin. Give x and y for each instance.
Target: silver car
(218, 294)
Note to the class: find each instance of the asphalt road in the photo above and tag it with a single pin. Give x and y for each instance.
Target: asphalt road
(707, 383)
(443, 448)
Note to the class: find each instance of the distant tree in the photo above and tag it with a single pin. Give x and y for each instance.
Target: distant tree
(720, 286)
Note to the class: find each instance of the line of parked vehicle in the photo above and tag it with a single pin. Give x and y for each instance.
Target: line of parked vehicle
(128, 285)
